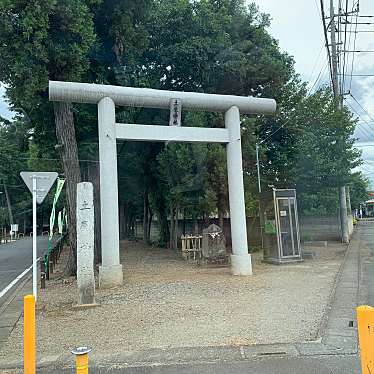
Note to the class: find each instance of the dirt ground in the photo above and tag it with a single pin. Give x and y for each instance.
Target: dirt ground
(167, 302)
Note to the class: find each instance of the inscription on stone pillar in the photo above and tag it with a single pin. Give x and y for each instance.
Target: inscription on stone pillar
(85, 244)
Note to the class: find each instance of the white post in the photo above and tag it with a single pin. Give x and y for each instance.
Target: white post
(34, 237)
(110, 272)
(240, 259)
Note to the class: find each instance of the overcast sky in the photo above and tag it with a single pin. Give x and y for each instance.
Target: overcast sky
(297, 26)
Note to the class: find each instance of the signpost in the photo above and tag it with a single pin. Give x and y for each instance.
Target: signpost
(13, 231)
(39, 183)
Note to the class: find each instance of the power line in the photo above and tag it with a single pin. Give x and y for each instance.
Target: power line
(315, 2)
(363, 130)
(345, 44)
(322, 71)
(359, 116)
(367, 113)
(365, 23)
(316, 62)
(354, 47)
(326, 38)
(358, 31)
(274, 132)
(371, 134)
(346, 57)
(358, 51)
(361, 75)
(323, 68)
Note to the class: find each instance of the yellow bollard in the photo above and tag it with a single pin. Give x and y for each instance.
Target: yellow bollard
(81, 359)
(365, 325)
(29, 343)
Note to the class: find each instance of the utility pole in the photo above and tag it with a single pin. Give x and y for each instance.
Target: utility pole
(338, 103)
(334, 56)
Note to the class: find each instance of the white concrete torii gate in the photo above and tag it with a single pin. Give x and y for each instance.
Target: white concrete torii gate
(106, 97)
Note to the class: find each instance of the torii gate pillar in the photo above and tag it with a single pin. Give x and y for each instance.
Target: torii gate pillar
(110, 272)
(240, 259)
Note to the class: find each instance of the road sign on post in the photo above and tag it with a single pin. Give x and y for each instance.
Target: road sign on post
(39, 183)
(13, 230)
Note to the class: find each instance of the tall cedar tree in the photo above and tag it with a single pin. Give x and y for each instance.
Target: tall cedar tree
(43, 40)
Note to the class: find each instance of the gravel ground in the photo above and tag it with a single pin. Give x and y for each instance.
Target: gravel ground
(167, 302)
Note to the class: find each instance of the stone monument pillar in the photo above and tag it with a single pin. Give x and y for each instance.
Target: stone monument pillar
(85, 244)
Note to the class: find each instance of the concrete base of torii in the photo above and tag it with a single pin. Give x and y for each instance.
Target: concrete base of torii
(241, 264)
(110, 276)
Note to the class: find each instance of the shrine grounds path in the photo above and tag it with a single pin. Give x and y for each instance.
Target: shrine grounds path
(168, 306)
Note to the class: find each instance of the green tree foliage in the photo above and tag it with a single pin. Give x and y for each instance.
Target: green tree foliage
(42, 40)
(202, 46)
(359, 186)
(14, 145)
(309, 146)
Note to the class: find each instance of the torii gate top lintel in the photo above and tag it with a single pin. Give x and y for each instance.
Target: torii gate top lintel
(160, 99)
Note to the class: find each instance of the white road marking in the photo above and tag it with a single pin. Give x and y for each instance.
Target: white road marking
(13, 282)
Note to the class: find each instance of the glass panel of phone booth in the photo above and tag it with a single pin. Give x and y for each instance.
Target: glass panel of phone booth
(295, 229)
(269, 230)
(285, 227)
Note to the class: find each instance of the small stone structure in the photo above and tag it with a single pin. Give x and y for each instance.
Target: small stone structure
(213, 244)
(85, 244)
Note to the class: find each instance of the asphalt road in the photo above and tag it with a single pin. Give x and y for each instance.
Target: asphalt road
(16, 257)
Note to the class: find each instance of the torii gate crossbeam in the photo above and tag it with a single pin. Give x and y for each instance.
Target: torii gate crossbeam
(106, 97)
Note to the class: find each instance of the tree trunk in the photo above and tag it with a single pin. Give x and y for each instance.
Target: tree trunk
(149, 224)
(176, 226)
(131, 231)
(171, 236)
(184, 222)
(122, 221)
(206, 219)
(196, 226)
(126, 223)
(164, 228)
(10, 213)
(134, 226)
(221, 210)
(94, 178)
(145, 215)
(68, 148)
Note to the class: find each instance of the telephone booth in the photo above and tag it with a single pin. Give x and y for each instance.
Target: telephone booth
(280, 226)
